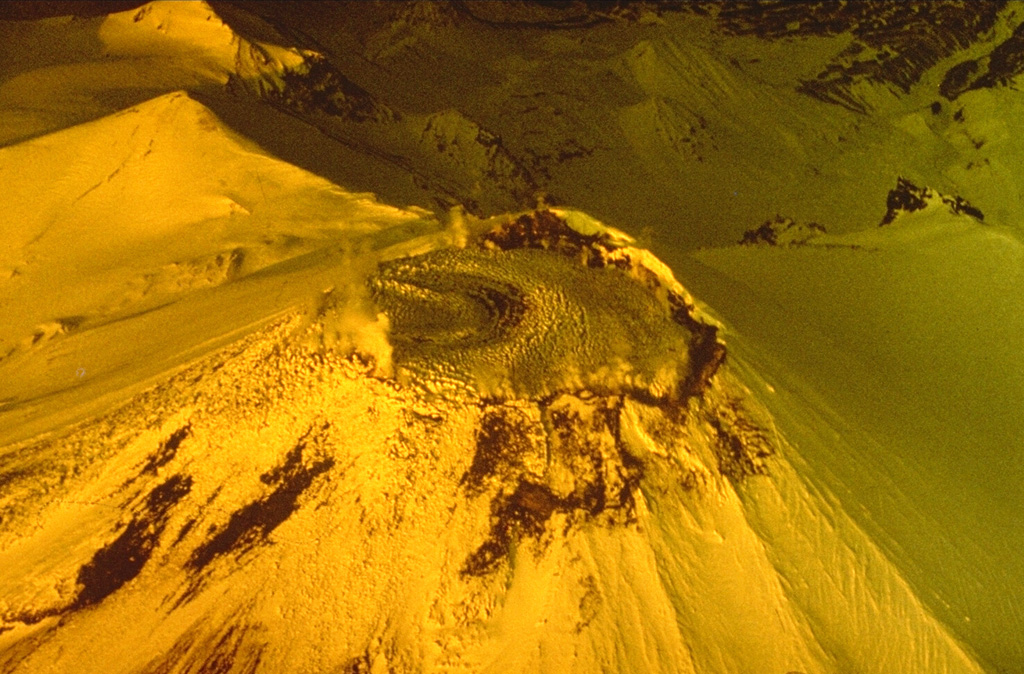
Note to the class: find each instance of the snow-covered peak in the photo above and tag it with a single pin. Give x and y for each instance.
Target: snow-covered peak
(183, 28)
(125, 212)
(166, 26)
(124, 57)
(908, 198)
(782, 231)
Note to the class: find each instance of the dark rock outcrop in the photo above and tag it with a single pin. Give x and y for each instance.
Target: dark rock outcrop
(781, 231)
(907, 197)
(998, 68)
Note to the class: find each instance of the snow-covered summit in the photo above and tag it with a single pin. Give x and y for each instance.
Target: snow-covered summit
(163, 46)
(908, 198)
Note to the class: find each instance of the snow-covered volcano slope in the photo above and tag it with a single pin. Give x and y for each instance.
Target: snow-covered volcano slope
(138, 214)
(698, 124)
(910, 336)
(280, 505)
